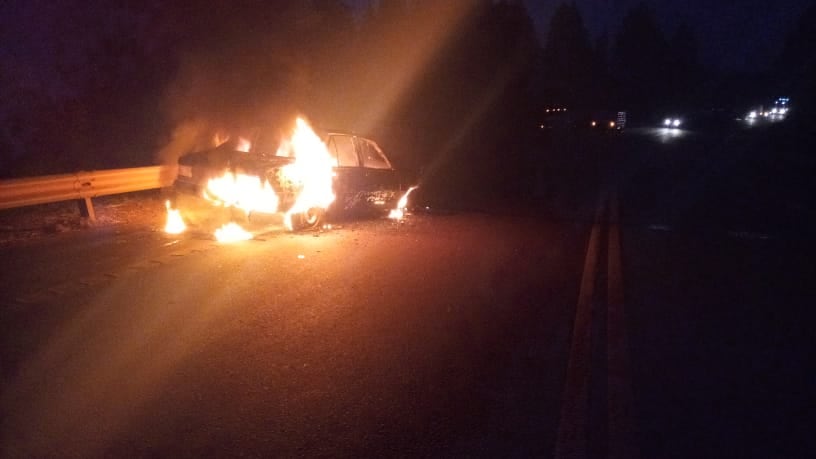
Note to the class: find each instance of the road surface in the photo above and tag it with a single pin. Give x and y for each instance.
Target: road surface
(654, 301)
(440, 335)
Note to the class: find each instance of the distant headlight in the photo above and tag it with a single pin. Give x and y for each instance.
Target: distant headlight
(672, 122)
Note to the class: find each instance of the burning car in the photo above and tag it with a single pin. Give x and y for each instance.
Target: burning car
(300, 177)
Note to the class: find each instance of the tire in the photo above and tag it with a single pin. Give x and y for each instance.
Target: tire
(310, 219)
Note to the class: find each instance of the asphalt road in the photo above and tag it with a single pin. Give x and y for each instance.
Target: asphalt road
(651, 297)
(443, 335)
(719, 262)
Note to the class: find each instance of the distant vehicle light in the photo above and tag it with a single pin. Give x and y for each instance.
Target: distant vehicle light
(672, 122)
(593, 124)
(752, 115)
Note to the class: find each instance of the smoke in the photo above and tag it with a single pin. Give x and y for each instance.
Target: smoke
(237, 71)
(191, 135)
(253, 67)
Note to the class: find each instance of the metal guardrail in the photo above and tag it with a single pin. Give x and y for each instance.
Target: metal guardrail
(82, 186)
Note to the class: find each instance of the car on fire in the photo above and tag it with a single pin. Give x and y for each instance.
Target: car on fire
(361, 179)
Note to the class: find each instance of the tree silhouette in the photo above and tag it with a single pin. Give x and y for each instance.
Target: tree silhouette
(796, 66)
(469, 102)
(685, 74)
(641, 60)
(425, 77)
(571, 67)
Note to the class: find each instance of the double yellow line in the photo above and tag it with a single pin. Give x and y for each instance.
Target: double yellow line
(577, 436)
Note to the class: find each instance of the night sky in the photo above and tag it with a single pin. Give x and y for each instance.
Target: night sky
(45, 43)
(722, 26)
(732, 34)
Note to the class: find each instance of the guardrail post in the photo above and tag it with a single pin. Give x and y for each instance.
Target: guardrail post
(86, 209)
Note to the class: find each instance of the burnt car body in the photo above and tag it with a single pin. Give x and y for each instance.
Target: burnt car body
(364, 180)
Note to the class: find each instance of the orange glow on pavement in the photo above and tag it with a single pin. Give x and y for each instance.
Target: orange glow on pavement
(232, 232)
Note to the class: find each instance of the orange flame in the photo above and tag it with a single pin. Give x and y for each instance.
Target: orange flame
(232, 232)
(311, 174)
(245, 192)
(219, 138)
(243, 145)
(175, 224)
(398, 212)
(312, 171)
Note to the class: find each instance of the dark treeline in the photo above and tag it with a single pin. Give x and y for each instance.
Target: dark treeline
(123, 83)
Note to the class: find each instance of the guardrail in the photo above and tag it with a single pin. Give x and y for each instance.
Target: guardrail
(83, 186)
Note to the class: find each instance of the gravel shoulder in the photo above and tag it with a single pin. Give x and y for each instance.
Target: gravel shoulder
(25, 224)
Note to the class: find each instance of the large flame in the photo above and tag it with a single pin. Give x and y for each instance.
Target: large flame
(311, 172)
(245, 192)
(398, 212)
(175, 224)
(232, 232)
(310, 175)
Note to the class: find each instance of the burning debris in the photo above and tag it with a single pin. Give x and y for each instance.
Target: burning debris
(175, 224)
(398, 213)
(232, 232)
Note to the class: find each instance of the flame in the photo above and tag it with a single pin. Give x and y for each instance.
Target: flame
(398, 212)
(245, 192)
(243, 145)
(219, 138)
(174, 225)
(232, 232)
(311, 172)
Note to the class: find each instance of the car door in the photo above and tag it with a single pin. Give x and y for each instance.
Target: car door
(380, 178)
(349, 179)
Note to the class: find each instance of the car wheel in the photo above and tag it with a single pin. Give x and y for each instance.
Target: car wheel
(308, 220)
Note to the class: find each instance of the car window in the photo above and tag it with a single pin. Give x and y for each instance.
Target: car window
(343, 147)
(372, 156)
